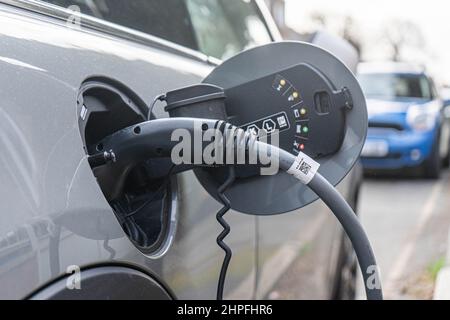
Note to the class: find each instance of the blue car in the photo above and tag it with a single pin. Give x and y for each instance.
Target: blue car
(407, 123)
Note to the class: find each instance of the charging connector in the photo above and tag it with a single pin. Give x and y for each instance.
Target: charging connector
(153, 139)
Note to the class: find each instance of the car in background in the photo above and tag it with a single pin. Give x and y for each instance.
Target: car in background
(408, 127)
(445, 94)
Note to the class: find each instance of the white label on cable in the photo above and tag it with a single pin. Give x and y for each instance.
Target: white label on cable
(304, 168)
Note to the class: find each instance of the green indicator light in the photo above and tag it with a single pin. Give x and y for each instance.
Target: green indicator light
(305, 129)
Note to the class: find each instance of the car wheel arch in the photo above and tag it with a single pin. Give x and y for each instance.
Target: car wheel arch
(135, 283)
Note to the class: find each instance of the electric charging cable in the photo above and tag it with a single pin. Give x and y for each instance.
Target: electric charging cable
(354, 230)
(153, 139)
(305, 170)
(226, 230)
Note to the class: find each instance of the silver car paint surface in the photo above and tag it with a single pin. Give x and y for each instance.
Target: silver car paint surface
(52, 212)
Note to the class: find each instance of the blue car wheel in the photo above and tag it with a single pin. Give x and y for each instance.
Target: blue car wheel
(432, 166)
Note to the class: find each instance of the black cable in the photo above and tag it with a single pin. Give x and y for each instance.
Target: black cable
(349, 221)
(228, 253)
(318, 184)
(161, 97)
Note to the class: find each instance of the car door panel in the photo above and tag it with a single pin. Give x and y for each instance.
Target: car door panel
(53, 212)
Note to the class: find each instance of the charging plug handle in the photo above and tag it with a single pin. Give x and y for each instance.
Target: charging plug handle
(154, 139)
(135, 145)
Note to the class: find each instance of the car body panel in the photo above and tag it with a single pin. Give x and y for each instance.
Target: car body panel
(112, 282)
(46, 177)
(53, 214)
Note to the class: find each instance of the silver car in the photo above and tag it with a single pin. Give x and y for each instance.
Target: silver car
(59, 237)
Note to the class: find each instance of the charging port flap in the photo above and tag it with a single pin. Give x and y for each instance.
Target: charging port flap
(145, 204)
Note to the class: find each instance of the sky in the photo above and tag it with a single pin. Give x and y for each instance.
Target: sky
(432, 17)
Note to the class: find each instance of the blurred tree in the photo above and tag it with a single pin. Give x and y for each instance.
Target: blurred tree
(349, 33)
(319, 18)
(278, 10)
(401, 34)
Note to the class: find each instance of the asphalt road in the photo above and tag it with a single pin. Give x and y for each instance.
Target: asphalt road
(407, 220)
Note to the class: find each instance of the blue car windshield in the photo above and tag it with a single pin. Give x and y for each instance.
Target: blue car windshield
(392, 86)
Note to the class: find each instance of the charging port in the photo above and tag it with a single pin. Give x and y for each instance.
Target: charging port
(145, 206)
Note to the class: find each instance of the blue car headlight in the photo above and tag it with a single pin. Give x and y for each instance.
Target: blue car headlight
(423, 117)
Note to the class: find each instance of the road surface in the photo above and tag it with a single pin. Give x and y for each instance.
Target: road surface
(407, 220)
